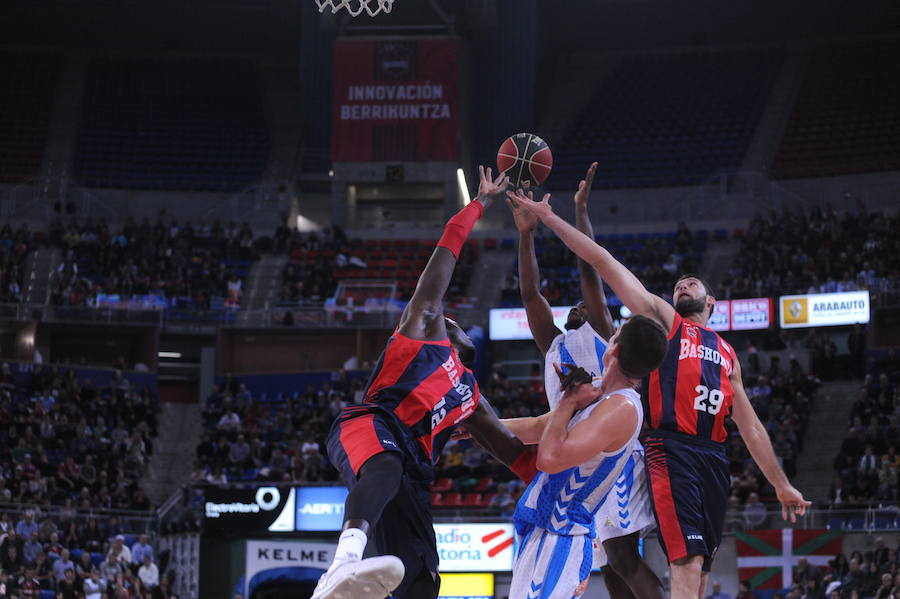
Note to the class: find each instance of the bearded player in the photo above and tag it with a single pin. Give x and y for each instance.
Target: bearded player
(685, 401)
(385, 448)
(621, 519)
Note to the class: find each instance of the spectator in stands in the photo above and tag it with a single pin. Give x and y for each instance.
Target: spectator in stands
(61, 565)
(141, 549)
(230, 422)
(744, 590)
(239, 452)
(755, 514)
(504, 500)
(92, 536)
(121, 550)
(68, 587)
(717, 592)
(149, 573)
(110, 568)
(886, 588)
(11, 561)
(26, 526)
(84, 566)
(94, 587)
(217, 477)
(31, 548)
(809, 577)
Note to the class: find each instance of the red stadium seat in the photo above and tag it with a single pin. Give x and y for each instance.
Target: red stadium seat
(471, 500)
(487, 498)
(453, 500)
(437, 499)
(442, 484)
(484, 484)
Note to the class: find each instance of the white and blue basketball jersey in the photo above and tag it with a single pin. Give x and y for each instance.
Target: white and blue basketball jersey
(556, 518)
(565, 503)
(582, 347)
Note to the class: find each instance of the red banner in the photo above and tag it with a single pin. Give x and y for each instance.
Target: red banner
(396, 100)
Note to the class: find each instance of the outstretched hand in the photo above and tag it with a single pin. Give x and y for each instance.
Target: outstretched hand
(490, 188)
(525, 221)
(577, 385)
(584, 187)
(541, 210)
(792, 502)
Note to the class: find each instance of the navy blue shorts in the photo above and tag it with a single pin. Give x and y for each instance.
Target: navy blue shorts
(406, 528)
(690, 482)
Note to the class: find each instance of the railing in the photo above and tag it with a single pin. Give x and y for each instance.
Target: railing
(133, 521)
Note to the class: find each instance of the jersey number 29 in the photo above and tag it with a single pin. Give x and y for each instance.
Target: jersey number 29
(708, 400)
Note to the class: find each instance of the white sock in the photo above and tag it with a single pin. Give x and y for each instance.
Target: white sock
(351, 545)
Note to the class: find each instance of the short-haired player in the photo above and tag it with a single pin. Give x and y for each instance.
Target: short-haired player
(686, 401)
(583, 343)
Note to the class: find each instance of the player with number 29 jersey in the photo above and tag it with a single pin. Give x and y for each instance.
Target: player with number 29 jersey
(691, 392)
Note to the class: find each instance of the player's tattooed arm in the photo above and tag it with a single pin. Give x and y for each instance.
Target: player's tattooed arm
(423, 316)
(757, 439)
(591, 284)
(537, 309)
(626, 286)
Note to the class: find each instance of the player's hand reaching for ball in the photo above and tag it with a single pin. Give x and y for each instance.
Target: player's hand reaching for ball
(584, 187)
(525, 221)
(490, 188)
(792, 502)
(541, 210)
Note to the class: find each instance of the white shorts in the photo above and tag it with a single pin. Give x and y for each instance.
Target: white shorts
(627, 509)
(551, 566)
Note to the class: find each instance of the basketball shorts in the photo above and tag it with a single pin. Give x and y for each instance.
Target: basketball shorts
(690, 483)
(627, 508)
(406, 528)
(551, 566)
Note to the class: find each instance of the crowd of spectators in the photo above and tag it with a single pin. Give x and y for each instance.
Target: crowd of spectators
(873, 574)
(66, 442)
(64, 555)
(867, 466)
(279, 439)
(816, 251)
(14, 247)
(656, 259)
(186, 265)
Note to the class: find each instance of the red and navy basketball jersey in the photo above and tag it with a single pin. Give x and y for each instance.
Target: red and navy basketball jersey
(426, 387)
(690, 393)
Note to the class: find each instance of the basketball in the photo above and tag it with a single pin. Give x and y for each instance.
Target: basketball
(526, 159)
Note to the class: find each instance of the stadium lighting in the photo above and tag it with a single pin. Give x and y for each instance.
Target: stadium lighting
(463, 186)
(169, 354)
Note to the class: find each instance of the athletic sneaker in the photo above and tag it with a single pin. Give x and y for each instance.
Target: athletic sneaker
(371, 578)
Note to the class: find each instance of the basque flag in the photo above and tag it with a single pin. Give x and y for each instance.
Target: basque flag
(767, 557)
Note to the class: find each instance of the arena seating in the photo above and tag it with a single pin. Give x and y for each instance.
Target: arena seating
(847, 116)
(186, 266)
(656, 258)
(171, 124)
(668, 119)
(867, 465)
(817, 252)
(29, 81)
(319, 262)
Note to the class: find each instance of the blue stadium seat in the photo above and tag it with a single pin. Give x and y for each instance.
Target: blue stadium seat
(835, 524)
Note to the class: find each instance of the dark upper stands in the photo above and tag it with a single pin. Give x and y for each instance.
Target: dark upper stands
(171, 124)
(817, 251)
(668, 119)
(26, 97)
(847, 116)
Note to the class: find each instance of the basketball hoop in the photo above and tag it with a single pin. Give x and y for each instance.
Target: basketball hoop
(356, 7)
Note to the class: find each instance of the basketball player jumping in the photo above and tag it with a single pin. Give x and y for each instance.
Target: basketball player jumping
(686, 401)
(620, 520)
(587, 444)
(385, 447)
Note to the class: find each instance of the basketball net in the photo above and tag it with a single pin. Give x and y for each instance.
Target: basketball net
(356, 7)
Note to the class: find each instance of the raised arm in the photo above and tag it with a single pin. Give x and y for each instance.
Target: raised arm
(757, 439)
(537, 310)
(622, 281)
(421, 319)
(608, 428)
(591, 285)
